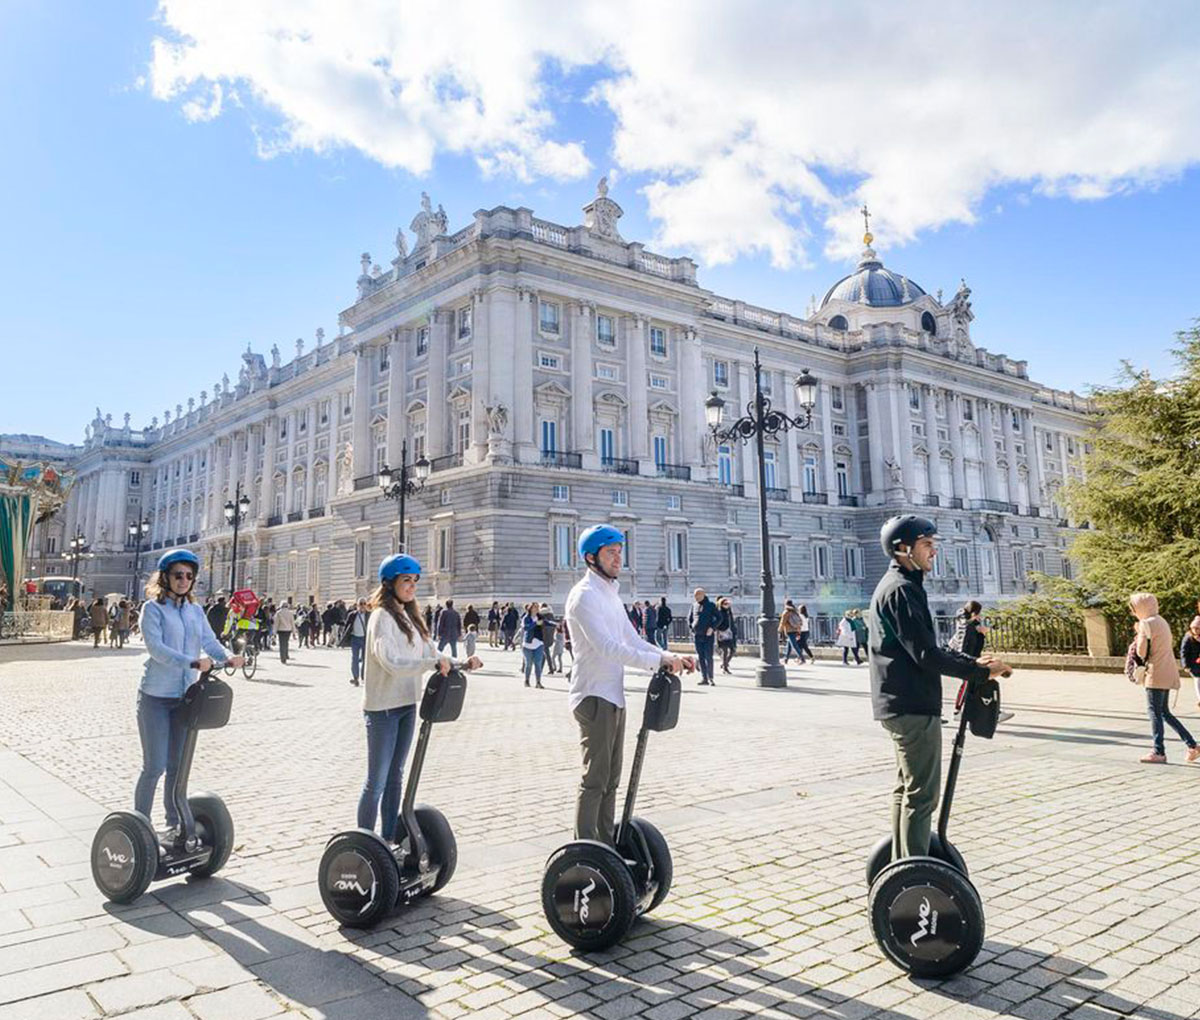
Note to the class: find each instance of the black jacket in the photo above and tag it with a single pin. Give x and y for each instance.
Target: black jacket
(663, 615)
(905, 661)
(702, 616)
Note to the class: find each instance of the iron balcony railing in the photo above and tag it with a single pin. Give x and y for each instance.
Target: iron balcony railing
(559, 458)
(844, 500)
(450, 460)
(680, 472)
(778, 495)
(955, 503)
(274, 520)
(316, 511)
(820, 498)
(931, 499)
(619, 465)
(295, 515)
(995, 505)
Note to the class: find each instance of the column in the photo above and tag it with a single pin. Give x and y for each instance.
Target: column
(639, 424)
(235, 463)
(791, 441)
(435, 414)
(929, 396)
(397, 420)
(854, 438)
(310, 472)
(737, 447)
(582, 439)
(250, 456)
(1065, 474)
(290, 418)
(521, 405)
(170, 494)
(903, 440)
(876, 448)
(991, 471)
(1033, 459)
(361, 434)
(954, 416)
(691, 401)
(266, 503)
(481, 375)
(1010, 449)
(826, 409)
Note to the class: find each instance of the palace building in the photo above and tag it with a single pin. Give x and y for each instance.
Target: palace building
(555, 377)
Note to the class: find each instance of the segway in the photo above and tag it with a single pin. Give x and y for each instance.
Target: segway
(127, 854)
(926, 915)
(592, 892)
(362, 877)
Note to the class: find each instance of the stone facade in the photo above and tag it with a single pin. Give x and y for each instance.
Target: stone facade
(555, 377)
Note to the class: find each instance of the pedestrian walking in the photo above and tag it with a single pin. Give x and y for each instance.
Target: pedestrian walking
(284, 623)
(470, 618)
(511, 620)
(803, 634)
(556, 649)
(650, 621)
(493, 625)
(547, 626)
(470, 638)
(662, 623)
(180, 645)
(846, 641)
(970, 635)
(635, 617)
(449, 628)
(533, 649)
(99, 617)
(702, 622)
(1158, 672)
(354, 633)
(906, 665)
(789, 627)
(605, 643)
(124, 622)
(399, 655)
(726, 633)
(1189, 654)
(860, 632)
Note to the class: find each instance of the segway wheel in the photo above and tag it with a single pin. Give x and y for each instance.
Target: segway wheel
(250, 665)
(660, 859)
(214, 826)
(124, 856)
(588, 895)
(443, 847)
(926, 916)
(881, 856)
(358, 878)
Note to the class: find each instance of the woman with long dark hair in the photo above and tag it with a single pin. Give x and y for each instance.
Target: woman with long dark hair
(399, 655)
(180, 645)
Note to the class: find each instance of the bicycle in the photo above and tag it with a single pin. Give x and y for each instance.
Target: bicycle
(242, 644)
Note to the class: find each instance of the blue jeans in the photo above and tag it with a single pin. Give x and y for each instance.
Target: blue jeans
(389, 736)
(660, 637)
(162, 731)
(534, 657)
(357, 644)
(793, 645)
(453, 643)
(1159, 709)
(704, 652)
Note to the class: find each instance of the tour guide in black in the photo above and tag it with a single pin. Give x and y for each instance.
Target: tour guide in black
(906, 666)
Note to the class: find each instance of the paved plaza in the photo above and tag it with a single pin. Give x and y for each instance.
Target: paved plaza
(1088, 863)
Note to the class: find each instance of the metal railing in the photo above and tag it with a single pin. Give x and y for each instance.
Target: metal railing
(363, 482)
(931, 499)
(559, 458)
(680, 472)
(778, 495)
(735, 488)
(274, 520)
(818, 498)
(619, 465)
(295, 515)
(450, 460)
(995, 505)
(37, 624)
(847, 500)
(316, 511)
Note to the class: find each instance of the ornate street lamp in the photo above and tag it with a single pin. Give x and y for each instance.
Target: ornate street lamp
(78, 546)
(137, 531)
(760, 420)
(397, 485)
(236, 510)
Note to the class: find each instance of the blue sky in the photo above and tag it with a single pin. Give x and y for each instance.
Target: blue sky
(142, 250)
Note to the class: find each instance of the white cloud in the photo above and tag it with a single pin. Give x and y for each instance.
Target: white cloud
(747, 125)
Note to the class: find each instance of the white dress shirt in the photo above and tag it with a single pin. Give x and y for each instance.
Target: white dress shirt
(604, 642)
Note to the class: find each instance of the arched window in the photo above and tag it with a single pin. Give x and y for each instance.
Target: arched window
(839, 323)
(929, 323)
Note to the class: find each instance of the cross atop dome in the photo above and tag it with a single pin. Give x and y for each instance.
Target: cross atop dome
(868, 237)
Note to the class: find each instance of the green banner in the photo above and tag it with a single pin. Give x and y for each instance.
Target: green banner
(16, 530)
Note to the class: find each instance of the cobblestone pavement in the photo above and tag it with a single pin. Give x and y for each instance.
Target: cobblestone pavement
(1088, 863)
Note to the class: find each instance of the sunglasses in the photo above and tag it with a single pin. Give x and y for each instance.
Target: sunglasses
(179, 575)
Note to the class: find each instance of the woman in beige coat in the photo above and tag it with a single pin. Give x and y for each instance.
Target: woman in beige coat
(1155, 647)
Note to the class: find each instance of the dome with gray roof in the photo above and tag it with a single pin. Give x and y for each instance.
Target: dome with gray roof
(874, 285)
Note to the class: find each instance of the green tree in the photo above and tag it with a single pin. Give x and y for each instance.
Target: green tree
(1142, 491)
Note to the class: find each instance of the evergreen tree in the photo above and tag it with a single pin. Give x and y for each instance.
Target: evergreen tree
(1142, 492)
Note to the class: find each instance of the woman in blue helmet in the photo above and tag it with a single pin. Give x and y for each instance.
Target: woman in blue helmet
(181, 645)
(399, 655)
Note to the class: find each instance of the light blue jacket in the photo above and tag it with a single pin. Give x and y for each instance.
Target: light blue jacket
(175, 636)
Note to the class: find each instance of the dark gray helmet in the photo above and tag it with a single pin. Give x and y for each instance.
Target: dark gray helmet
(904, 529)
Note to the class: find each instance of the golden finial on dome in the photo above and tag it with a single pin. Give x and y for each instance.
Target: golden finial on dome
(868, 237)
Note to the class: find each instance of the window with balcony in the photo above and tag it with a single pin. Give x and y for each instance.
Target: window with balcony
(841, 472)
(549, 430)
(661, 451)
(135, 479)
(914, 398)
(606, 332)
(968, 410)
(608, 449)
(764, 380)
(549, 317)
(721, 373)
(463, 433)
(837, 399)
(658, 341)
(422, 340)
(464, 322)
(769, 472)
(810, 472)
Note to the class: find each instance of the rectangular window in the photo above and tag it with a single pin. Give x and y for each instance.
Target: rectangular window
(606, 372)
(674, 503)
(839, 429)
(607, 446)
(720, 373)
(914, 398)
(360, 560)
(380, 454)
(1019, 566)
(1039, 560)
(962, 561)
(620, 497)
(1071, 446)
(1049, 441)
(854, 561)
(779, 559)
(563, 551)
(764, 379)
(918, 428)
(135, 479)
(769, 469)
(323, 412)
(810, 472)
(943, 435)
(302, 421)
(724, 465)
(347, 406)
(384, 361)
(968, 410)
(659, 382)
(735, 558)
(464, 429)
(462, 366)
(549, 436)
(842, 470)
(1066, 568)
(820, 561)
(561, 494)
(418, 440)
(660, 451)
(464, 322)
(283, 422)
(422, 340)
(550, 361)
(380, 398)
(606, 332)
(658, 341)
(548, 317)
(677, 551)
(837, 399)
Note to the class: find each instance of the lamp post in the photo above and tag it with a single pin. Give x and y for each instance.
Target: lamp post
(760, 420)
(137, 531)
(397, 485)
(235, 512)
(78, 546)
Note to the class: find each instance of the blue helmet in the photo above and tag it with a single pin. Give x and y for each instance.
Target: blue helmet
(598, 536)
(178, 556)
(393, 566)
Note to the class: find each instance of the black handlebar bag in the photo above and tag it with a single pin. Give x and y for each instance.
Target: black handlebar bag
(662, 701)
(207, 704)
(443, 698)
(983, 708)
